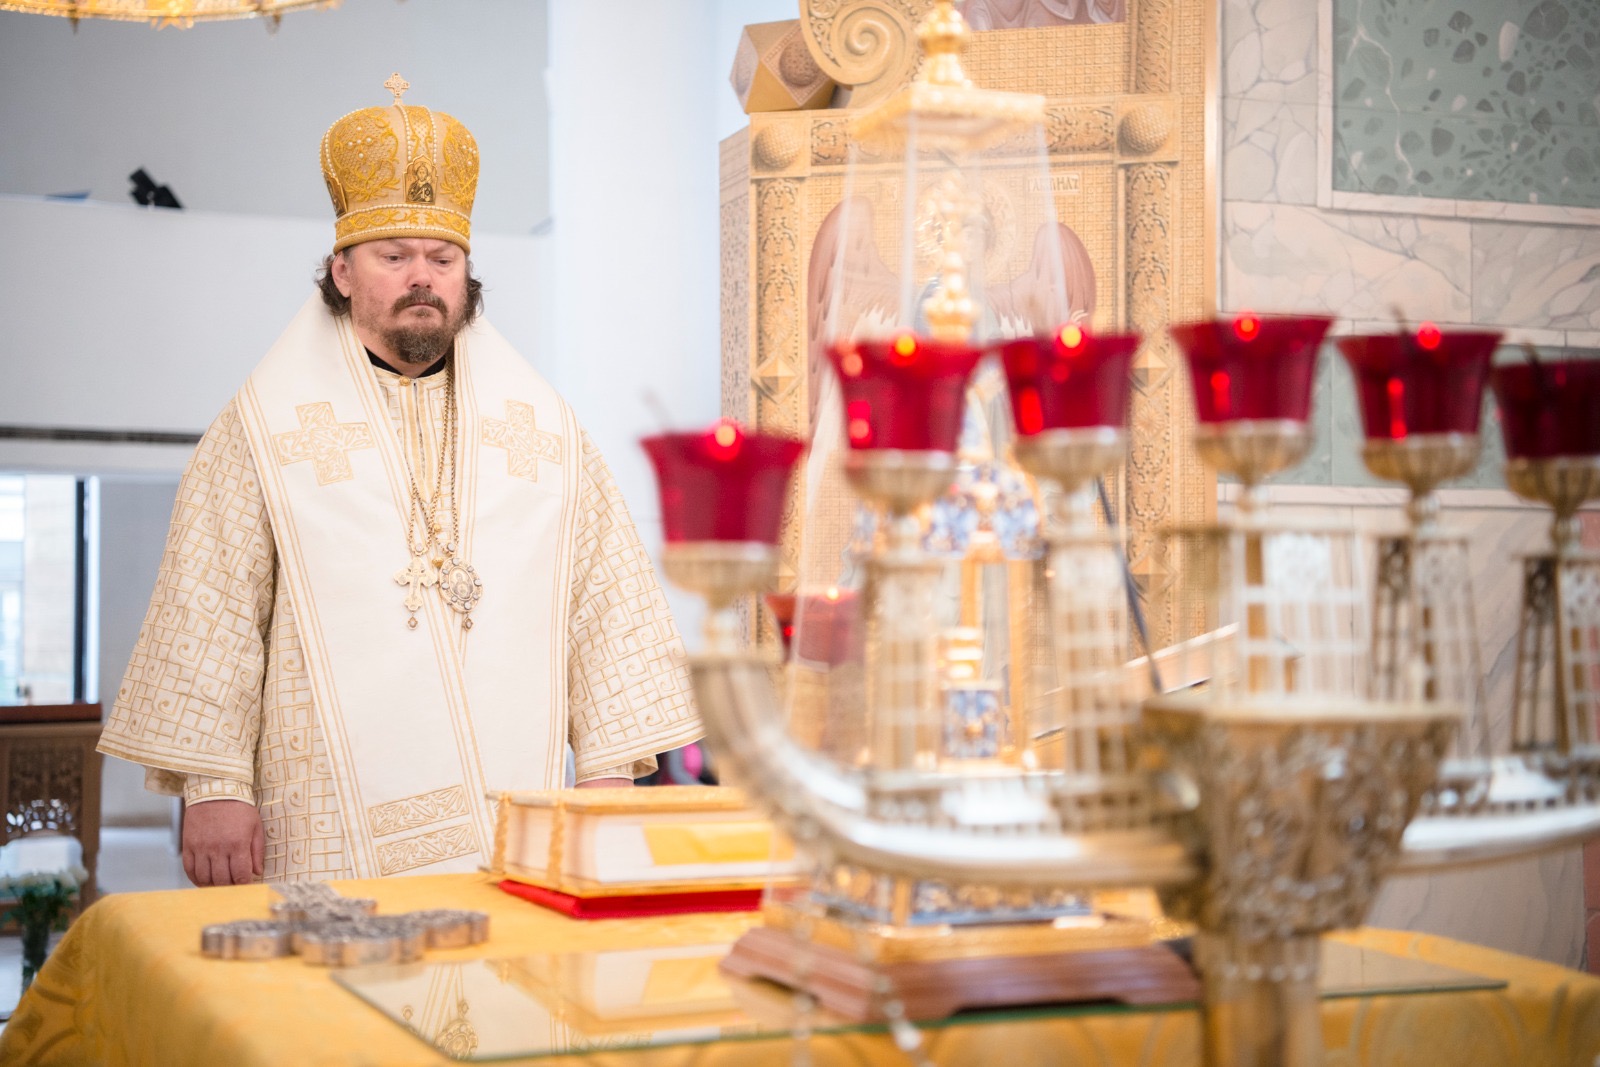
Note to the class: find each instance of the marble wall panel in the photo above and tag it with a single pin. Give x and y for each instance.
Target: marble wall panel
(1269, 50)
(1467, 99)
(1533, 907)
(1286, 257)
(1270, 151)
(1542, 276)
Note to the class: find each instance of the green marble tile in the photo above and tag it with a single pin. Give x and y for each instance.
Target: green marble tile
(1495, 100)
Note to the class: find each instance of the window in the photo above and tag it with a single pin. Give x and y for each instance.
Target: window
(42, 562)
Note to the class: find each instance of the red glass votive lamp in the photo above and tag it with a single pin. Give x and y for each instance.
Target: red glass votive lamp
(1069, 401)
(1252, 378)
(1253, 366)
(828, 626)
(1549, 410)
(722, 502)
(1550, 417)
(905, 392)
(904, 398)
(1069, 380)
(1421, 398)
(722, 484)
(1420, 383)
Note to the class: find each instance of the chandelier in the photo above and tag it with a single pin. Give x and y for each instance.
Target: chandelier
(163, 13)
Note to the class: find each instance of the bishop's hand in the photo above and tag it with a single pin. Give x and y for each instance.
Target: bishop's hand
(222, 842)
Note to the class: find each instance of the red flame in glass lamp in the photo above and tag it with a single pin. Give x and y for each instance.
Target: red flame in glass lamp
(1252, 377)
(1421, 395)
(782, 607)
(1069, 400)
(903, 402)
(1550, 417)
(722, 501)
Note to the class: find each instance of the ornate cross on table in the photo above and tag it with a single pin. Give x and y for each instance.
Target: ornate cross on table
(415, 576)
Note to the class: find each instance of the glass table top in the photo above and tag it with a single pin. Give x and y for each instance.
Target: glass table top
(556, 1004)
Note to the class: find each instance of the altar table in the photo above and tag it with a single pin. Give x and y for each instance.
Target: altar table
(127, 985)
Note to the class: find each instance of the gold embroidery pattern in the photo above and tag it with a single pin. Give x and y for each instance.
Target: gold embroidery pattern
(458, 154)
(525, 443)
(324, 441)
(629, 691)
(363, 150)
(411, 812)
(200, 648)
(300, 812)
(400, 171)
(194, 692)
(436, 846)
(420, 221)
(419, 130)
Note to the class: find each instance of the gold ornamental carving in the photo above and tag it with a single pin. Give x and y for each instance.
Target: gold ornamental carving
(1155, 31)
(869, 46)
(1144, 128)
(773, 70)
(1124, 122)
(1081, 129)
(779, 145)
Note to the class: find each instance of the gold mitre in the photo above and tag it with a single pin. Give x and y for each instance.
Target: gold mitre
(400, 171)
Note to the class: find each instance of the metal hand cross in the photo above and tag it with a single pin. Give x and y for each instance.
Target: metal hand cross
(416, 576)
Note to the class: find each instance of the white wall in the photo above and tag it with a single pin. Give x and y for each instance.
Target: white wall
(633, 191)
(230, 116)
(146, 319)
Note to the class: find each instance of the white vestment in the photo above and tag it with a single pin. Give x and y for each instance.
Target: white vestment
(275, 664)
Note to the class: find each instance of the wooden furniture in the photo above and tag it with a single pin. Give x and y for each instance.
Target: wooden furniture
(50, 777)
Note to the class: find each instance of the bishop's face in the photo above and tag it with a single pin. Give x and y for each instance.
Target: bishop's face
(408, 296)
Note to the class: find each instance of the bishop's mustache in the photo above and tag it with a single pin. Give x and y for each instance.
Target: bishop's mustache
(424, 298)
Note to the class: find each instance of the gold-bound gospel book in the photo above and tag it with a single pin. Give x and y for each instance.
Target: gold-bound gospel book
(624, 842)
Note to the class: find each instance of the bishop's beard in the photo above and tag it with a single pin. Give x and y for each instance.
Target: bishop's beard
(423, 344)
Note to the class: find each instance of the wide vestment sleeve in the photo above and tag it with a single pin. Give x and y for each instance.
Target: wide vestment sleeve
(628, 678)
(191, 700)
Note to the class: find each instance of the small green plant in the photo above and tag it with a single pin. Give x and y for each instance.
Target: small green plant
(43, 902)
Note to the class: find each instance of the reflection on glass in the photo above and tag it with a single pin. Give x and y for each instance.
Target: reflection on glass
(481, 1010)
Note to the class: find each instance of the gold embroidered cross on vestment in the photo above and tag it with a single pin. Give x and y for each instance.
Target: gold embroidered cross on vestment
(324, 441)
(525, 443)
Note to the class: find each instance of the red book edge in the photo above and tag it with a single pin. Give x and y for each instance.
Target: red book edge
(632, 906)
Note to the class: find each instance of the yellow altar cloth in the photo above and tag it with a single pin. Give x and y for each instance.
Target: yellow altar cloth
(127, 985)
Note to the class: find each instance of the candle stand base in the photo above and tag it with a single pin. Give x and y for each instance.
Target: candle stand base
(1261, 1001)
(846, 985)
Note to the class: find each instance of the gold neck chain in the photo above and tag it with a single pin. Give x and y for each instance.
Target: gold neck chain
(456, 580)
(428, 510)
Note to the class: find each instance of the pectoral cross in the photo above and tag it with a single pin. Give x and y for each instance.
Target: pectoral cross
(415, 576)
